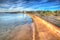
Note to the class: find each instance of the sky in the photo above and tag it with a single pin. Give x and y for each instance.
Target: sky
(29, 5)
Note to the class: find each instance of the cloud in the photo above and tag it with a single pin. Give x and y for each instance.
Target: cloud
(27, 5)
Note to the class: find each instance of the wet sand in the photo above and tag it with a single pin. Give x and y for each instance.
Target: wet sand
(23, 32)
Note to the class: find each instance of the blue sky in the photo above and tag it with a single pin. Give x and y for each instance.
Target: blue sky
(29, 5)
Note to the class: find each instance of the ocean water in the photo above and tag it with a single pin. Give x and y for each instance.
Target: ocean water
(9, 21)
